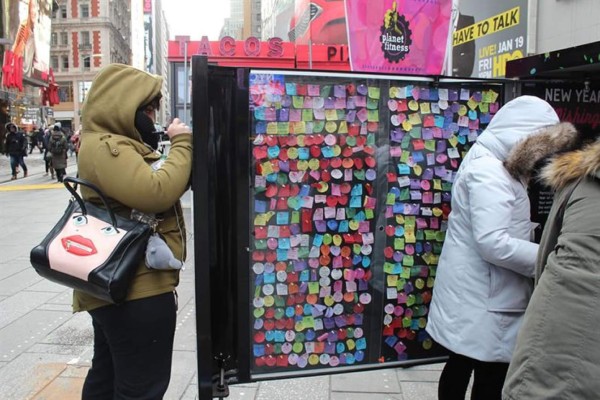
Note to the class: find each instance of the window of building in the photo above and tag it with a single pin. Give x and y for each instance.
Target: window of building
(86, 62)
(85, 37)
(63, 11)
(65, 92)
(54, 39)
(54, 63)
(64, 38)
(65, 63)
(84, 10)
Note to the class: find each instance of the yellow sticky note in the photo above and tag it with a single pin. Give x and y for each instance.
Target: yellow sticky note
(425, 108)
(472, 104)
(409, 235)
(272, 128)
(299, 127)
(406, 125)
(437, 184)
(414, 119)
(267, 168)
(392, 280)
(453, 140)
(343, 128)
(400, 219)
(331, 115)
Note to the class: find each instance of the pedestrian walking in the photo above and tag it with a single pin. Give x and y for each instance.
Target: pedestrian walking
(58, 147)
(557, 354)
(47, 154)
(16, 149)
(483, 280)
(133, 341)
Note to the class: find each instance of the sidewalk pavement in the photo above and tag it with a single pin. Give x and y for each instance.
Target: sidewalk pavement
(45, 349)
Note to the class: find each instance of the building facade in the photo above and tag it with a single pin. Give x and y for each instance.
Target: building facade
(86, 35)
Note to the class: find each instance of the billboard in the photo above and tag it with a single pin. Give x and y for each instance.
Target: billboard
(487, 35)
(399, 36)
(31, 30)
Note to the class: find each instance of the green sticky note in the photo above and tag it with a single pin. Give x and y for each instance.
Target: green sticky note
(440, 236)
(399, 244)
(405, 142)
(390, 199)
(308, 322)
(369, 214)
(446, 186)
(295, 217)
(415, 133)
(298, 101)
(303, 252)
(373, 116)
(388, 268)
(404, 194)
(405, 157)
(420, 235)
(313, 287)
(410, 221)
(325, 90)
(374, 92)
(408, 261)
(307, 114)
(405, 274)
(430, 145)
(283, 128)
(371, 139)
(430, 234)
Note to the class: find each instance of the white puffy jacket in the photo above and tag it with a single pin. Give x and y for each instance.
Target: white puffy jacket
(484, 277)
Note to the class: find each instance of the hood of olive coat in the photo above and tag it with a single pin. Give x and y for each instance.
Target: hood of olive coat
(572, 166)
(117, 92)
(525, 157)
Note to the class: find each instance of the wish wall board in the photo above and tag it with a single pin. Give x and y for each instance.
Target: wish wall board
(350, 191)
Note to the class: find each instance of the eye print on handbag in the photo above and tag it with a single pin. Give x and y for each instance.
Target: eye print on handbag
(84, 243)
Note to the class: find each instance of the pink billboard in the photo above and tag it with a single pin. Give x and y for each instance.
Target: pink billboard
(398, 36)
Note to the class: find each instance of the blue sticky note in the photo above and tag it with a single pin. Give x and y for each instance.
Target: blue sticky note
(260, 128)
(273, 151)
(403, 169)
(282, 255)
(304, 191)
(360, 216)
(318, 240)
(258, 350)
(439, 121)
(272, 177)
(269, 277)
(284, 243)
(327, 152)
(283, 218)
(343, 227)
(395, 191)
(356, 202)
(260, 206)
(303, 153)
(290, 89)
(418, 156)
(304, 276)
(357, 190)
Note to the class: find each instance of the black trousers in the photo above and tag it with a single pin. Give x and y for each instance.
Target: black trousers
(133, 348)
(487, 382)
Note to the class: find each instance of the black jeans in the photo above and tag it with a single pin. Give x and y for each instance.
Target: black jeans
(487, 382)
(133, 348)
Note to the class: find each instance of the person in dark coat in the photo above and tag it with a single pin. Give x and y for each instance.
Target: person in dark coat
(16, 148)
(47, 154)
(58, 147)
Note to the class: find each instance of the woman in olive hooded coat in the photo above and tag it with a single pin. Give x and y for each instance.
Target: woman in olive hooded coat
(133, 341)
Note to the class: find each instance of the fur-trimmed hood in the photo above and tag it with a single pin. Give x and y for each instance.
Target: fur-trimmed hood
(568, 167)
(524, 158)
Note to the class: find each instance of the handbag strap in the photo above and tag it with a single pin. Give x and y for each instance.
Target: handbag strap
(73, 190)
